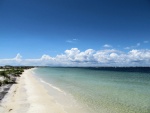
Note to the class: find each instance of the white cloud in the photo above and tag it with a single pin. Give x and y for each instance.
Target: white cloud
(132, 47)
(46, 57)
(18, 57)
(89, 57)
(13, 61)
(72, 52)
(72, 40)
(107, 46)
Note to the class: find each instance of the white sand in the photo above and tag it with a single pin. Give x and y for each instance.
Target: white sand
(29, 96)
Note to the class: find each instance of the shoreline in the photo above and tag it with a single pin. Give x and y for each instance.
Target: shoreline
(29, 96)
(6, 104)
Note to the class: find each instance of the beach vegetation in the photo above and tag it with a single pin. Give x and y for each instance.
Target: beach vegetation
(0, 82)
(4, 74)
(10, 73)
(6, 81)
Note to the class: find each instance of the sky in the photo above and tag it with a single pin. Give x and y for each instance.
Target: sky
(75, 32)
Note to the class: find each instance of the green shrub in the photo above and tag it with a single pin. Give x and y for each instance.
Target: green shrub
(6, 81)
(0, 83)
(3, 73)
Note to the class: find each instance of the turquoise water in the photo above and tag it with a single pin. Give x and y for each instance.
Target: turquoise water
(102, 91)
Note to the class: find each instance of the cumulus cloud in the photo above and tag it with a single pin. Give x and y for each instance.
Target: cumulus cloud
(89, 57)
(46, 57)
(13, 61)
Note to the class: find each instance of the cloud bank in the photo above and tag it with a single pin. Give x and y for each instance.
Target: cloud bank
(89, 57)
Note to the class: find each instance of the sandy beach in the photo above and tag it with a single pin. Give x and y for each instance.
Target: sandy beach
(29, 96)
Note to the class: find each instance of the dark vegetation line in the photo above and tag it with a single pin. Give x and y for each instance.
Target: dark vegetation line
(10, 73)
(8, 76)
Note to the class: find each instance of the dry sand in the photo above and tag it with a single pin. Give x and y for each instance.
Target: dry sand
(29, 96)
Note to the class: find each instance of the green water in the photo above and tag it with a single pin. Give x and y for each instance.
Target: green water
(102, 91)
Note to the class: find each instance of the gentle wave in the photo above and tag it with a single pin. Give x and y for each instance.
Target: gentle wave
(54, 87)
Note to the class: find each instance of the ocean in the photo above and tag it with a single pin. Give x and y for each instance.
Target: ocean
(98, 90)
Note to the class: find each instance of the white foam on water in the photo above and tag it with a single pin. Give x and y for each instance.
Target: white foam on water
(54, 87)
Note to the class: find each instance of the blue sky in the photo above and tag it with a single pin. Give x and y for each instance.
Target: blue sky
(51, 27)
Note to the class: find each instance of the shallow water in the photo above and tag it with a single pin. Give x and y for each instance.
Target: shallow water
(100, 91)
